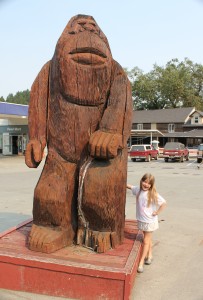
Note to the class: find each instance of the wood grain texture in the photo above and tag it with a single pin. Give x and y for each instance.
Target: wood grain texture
(80, 108)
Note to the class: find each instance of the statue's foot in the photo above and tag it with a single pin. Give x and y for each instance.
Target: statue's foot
(47, 239)
(96, 240)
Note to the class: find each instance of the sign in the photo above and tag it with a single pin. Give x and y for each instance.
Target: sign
(14, 129)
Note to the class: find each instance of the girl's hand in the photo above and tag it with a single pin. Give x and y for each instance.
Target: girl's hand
(155, 213)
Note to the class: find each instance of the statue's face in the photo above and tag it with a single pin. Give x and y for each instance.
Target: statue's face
(84, 60)
(90, 49)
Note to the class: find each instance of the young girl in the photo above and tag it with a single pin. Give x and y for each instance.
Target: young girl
(149, 204)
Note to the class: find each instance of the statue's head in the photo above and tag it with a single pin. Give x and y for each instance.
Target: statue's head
(87, 42)
(80, 23)
(83, 52)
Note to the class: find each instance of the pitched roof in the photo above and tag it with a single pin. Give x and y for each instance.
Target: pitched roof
(195, 133)
(171, 115)
(197, 111)
(13, 109)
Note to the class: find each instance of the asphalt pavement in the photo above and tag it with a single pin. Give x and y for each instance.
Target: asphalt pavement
(177, 269)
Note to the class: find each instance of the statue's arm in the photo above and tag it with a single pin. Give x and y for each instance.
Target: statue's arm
(37, 118)
(116, 122)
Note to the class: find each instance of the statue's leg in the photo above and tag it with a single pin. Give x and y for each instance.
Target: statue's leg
(55, 207)
(103, 204)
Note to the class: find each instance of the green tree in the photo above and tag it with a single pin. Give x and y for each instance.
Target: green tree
(19, 98)
(147, 89)
(132, 77)
(172, 84)
(181, 83)
(2, 99)
(178, 84)
(10, 98)
(193, 92)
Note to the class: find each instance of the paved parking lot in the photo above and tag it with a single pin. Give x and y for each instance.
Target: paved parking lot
(177, 269)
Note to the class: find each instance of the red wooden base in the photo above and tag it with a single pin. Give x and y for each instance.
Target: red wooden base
(73, 272)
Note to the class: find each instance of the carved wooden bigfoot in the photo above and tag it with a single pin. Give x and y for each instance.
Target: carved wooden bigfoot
(80, 107)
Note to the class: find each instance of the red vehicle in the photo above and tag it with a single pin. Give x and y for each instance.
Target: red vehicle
(143, 152)
(175, 151)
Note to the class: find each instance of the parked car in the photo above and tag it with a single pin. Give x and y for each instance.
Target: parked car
(199, 153)
(143, 152)
(175, 151)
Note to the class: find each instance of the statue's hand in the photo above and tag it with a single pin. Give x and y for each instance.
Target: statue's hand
(34, 153)
(105, 145)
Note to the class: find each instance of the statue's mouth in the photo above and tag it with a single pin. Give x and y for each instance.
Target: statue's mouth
(88, 56)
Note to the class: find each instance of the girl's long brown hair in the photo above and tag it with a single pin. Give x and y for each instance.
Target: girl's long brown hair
(152, 193)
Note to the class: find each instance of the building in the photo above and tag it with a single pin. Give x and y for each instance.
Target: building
(164, 125)
(13, 128)
(184, 125)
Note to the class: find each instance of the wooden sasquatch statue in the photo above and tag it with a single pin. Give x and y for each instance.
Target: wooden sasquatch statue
(80, 107)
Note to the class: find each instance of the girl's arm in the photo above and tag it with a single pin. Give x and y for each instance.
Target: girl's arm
(161, 207)
(129, 186)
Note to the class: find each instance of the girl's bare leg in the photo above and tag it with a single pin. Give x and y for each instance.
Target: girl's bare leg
(149, 254)
(146, 247)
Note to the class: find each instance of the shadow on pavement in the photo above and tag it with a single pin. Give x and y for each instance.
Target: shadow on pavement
(9, 220)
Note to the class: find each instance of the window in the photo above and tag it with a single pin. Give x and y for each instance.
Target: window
(1, 142)
(140, 126)
(200, 147)
(137, 148)
(171, 127)
(196, 120)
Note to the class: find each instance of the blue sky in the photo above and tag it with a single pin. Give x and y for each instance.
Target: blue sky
(140, 33)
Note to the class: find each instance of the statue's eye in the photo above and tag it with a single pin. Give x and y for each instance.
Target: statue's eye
(81, 23)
